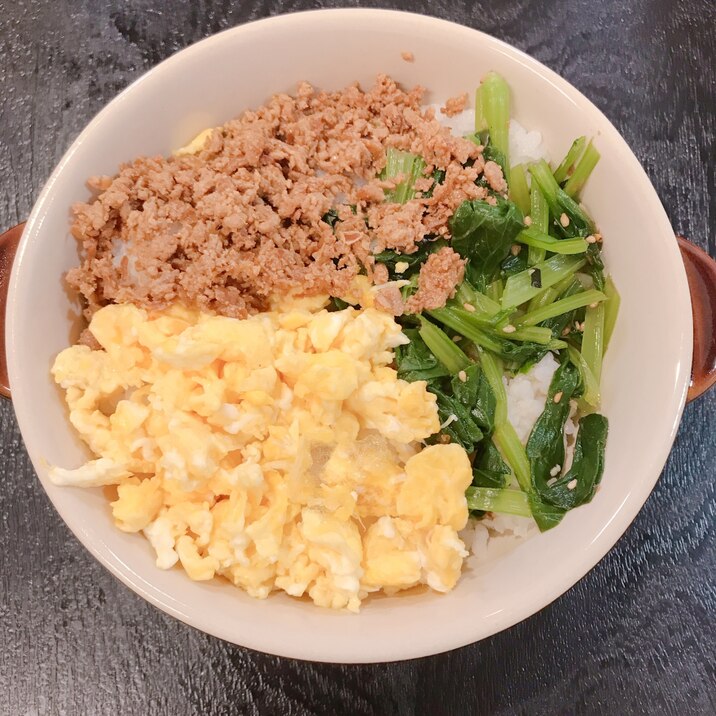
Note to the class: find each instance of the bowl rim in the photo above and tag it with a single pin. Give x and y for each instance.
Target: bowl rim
(611, 532)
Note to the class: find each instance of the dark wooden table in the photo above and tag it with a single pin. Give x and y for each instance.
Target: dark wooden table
(637, 635)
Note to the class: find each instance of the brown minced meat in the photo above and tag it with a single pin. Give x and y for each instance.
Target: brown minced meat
(241, 219)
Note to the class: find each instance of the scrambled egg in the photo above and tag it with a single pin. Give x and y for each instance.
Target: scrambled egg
(280, 451)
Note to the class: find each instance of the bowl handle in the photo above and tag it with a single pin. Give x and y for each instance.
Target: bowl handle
(701, 273)
(8, 245)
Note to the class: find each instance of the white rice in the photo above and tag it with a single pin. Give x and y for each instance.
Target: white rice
(525, 145)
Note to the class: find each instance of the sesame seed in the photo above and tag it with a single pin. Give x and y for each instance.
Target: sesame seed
(594, 305)
(401, 266)
(571, 484)
(509, 328)
(566, 330)
(516, 248)
(462, 375)
(468, 307)
(557, 396)
(555, 470)
(564, 220)
(591, 239)
(551, 481)
(528, 221)
(457, 339)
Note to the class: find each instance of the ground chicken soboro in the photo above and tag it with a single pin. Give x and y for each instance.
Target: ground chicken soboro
(242, 218)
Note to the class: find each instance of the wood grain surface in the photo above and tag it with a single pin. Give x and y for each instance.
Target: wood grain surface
(636, 636)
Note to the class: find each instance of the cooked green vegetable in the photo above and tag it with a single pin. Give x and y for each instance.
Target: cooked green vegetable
(564, 305)
(442, 347)
(531, 286)
(490, 499)
(519, 191)
(611, 309)
(483, 233)
(504, 436)
(539, 215)
(575, 151)
(415, 361)
(582, 170)
(564, 209)
(492, 113)
(520, 288)
(483, 304)
(563, 323)
(414, 260)
(473, 390)
(593, 339)
(539, 240)
(406, 164)
(465, 323)
(590, 394)
(578, 486)
(457, 419)
(489, 469)
(545, 447)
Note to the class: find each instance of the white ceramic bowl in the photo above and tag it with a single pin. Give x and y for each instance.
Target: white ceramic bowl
(645, 376)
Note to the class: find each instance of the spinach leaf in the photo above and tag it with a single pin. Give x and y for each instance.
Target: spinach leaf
(476, 394)
(490, 458)
(415, 361)
(515, 264)
(545, 447)
(471, 402)
(587, 466)
(426, 247)
(463, 429)
(331, 217)
(489, 469)
(337, 304)
(483, 233)
(545, 515)
(595, 265)
(580, 224)
(559, 323)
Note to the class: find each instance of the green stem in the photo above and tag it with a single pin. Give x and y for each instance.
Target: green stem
(575, 151)
(539, 240)
(611, 310)
(493, 370)
(406, 164)
(492, 111)
(590, 394)
(564, 305)
(539, 213)
(442, 347)
(581, 172)
(466, 293)
(519, 191)
(490, 499)
(521, 287)
(593, 339)
(509, 445)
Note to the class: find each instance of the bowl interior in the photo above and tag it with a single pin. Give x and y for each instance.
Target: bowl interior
(645, 374)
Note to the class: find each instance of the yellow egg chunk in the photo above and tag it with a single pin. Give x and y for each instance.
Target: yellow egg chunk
(281, 452)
